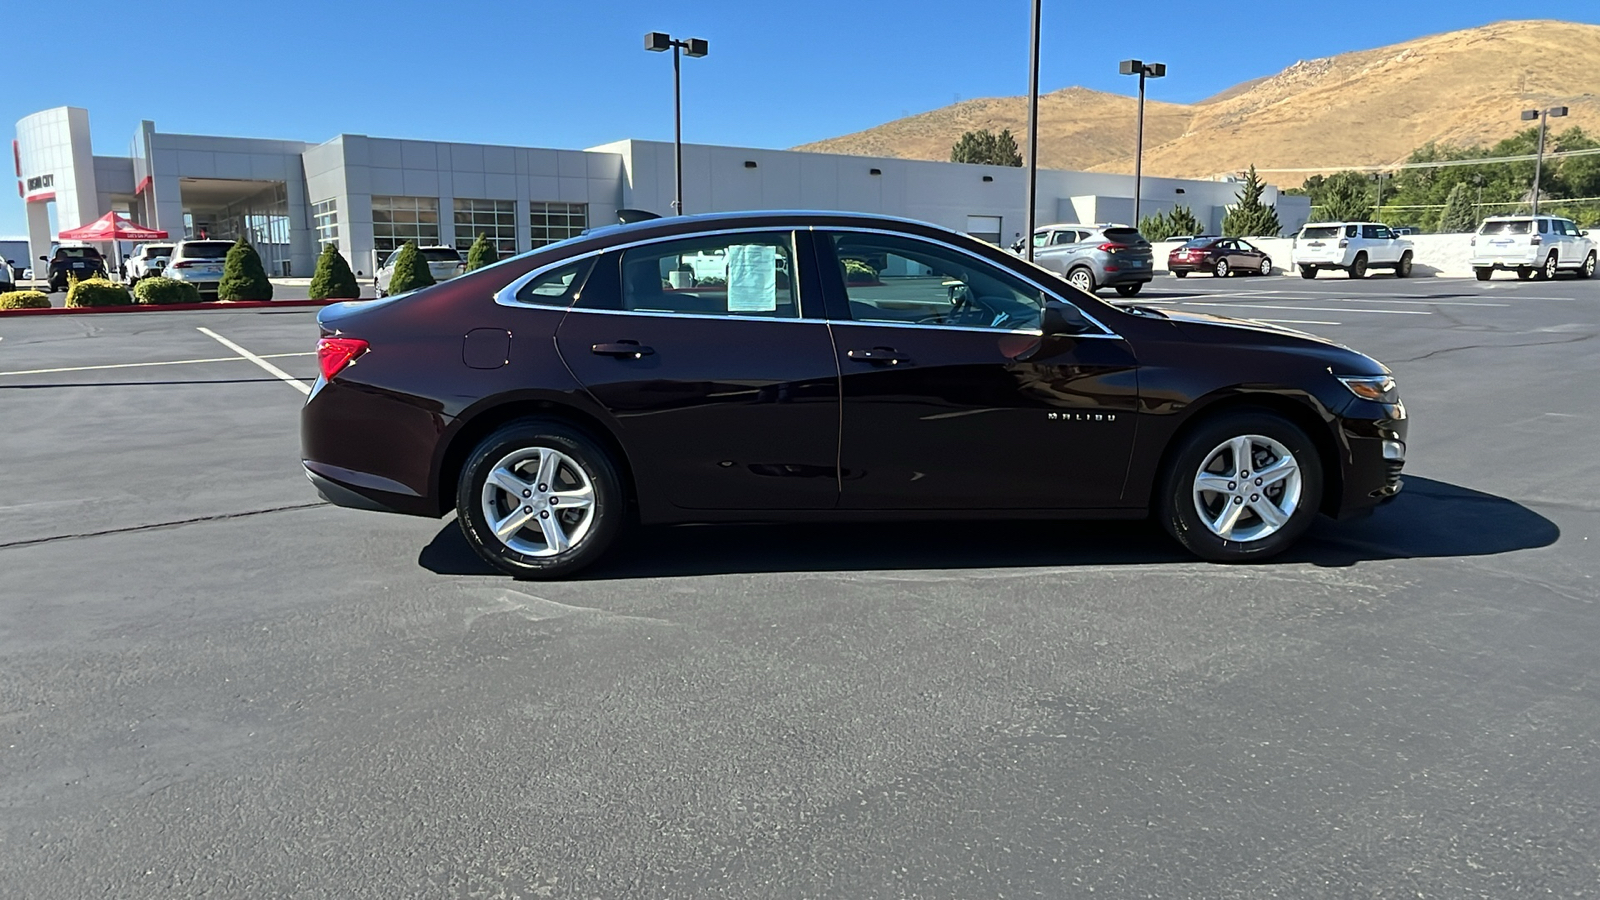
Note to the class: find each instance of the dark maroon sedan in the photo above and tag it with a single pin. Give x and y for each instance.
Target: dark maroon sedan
(1219, 256)
(810, 366)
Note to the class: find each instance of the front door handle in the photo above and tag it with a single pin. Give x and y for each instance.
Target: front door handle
(623, 350)
(878, 356)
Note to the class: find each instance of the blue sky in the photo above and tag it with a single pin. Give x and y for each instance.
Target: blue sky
(575, 74)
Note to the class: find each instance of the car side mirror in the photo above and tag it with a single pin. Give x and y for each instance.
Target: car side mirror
(1064, 319)
(44, 259)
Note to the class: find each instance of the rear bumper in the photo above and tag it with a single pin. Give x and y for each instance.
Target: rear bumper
(1505, 262)
(1124, 275)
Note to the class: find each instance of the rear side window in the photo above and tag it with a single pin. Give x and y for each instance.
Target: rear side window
(1544, 226)
(557, 287)
(1319, 232)
(1514, 226)
(721, 275)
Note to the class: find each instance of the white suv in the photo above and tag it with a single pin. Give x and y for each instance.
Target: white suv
(146, 260)
(1531, 246)
(1353, 247)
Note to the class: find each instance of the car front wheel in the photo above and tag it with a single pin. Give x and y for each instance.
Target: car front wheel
(1588, 266)
(540, 499)
(1266, 265)
(1242, 487)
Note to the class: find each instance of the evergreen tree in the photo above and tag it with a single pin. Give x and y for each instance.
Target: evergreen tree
(243, 276)
(482, 253)
(410, 270)
(333, 279)
(1345, 198)
(987, 148)
(1458, 216)
(1182, 221)
(1250, 217)
(1155, 227)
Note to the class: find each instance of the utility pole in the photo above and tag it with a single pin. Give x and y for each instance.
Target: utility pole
(1544, 116)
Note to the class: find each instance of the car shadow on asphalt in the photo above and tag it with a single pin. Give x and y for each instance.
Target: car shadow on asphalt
(1429, 519)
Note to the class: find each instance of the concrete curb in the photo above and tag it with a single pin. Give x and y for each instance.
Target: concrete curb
(161, 307)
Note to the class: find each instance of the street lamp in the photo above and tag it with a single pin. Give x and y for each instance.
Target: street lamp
(1528, 115)
(659, 42)
(1143, 70)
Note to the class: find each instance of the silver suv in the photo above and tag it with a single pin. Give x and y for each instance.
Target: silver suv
(1532, 246)
(1091, 257)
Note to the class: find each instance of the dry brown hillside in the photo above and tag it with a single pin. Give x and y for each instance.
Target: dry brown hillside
(1364, 108)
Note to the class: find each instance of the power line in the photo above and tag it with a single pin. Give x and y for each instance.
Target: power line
(1437, 164)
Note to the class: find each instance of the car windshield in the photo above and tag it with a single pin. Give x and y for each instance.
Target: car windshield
(206, 249)
(1320, 231)
(441, 254)
(1515, 226)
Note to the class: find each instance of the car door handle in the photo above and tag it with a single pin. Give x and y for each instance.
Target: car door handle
(878, 356)
(623, 350)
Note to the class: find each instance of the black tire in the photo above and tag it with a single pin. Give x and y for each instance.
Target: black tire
(1222, 269)
(1404, 269)
(1129, 290)
(1524, 273)
(1483, 274)
(1177, 505)
(1182, 274)
(1358, 268)
(1587, 271)
(1308, 272)
(608, 512)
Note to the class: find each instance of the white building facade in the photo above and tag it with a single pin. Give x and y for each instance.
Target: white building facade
(369, 195)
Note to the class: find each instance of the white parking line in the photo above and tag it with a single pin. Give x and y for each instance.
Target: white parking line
(1337, 309)
(169, 362)
(1296, 321)
(280, 374)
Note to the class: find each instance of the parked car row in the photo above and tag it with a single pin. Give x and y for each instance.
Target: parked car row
(1091, 257)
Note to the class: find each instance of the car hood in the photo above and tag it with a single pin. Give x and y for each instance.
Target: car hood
(1228, 331)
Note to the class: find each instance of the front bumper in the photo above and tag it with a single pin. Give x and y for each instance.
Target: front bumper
(1374, 450)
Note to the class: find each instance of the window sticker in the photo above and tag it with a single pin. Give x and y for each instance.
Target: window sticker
(752, 278)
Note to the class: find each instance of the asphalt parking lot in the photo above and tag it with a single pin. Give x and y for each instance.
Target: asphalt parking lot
(211, 683)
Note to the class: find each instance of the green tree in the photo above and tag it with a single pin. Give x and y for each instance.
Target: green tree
(333, 279)
(1458, 216)
(987, 148)
(410, 270)
(482, 253)
(1183, 221)
(1156, 227)
(243, 276)
(1250, 217)
(1344, 197)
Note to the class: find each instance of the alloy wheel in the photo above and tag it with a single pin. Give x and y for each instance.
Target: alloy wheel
(1266, 265)
(1550, 268)
(1082, 280)
(1222, 268)
(538, 501)
(1247, 488)
(1588, 266)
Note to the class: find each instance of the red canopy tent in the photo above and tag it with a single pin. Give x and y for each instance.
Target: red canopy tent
(112, 227)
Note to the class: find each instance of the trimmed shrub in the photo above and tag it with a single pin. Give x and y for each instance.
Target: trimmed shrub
(24, 300)
(858, 272)
(98, 291)
(154, 290)
(482, 253)
(333, 279)
(243, 276)
(410, 270)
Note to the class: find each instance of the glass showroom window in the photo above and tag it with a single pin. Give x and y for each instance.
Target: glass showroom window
(495, 218)
(325, 218)
(396, 220)
(551, 222)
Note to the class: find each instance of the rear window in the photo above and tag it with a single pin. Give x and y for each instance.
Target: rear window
(1125, 235)
(206, 249)
(1320, 231)
(1515, 226)
(77, 253)
(155, 251)
(1200, 242)
(441, 254)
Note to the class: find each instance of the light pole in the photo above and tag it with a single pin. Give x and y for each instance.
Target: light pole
(658, 42)
(1528, 115)
(1143, 70)
(1377, 210)
(1033, 132)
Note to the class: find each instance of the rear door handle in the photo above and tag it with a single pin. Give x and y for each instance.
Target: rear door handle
(623, 350)
(880, 356)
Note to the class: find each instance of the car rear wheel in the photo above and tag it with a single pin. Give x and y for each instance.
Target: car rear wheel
(1358, 269)
(1129, 290)
(1588, 266)
(1082, 279)
(1308, 272)
(1266, 265)
(1242, 487)
(1483, 274)
(1547, 272)
(540, 499)
(1524, 273)
(1404, 269)
(1222, 270)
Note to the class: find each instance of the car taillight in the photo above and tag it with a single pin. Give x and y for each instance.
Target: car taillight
(182, 264)
(1343, 243)
(333, 354)
(1111, 248)
(1535, 240)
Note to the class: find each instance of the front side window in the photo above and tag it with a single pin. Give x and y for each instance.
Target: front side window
(717, 275)
(906, 281)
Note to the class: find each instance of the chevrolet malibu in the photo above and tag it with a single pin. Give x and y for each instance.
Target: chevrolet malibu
(834, 367)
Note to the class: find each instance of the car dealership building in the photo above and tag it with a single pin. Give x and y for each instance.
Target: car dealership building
(372, 194)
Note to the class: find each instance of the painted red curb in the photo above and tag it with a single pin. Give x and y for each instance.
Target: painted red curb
(159, 307)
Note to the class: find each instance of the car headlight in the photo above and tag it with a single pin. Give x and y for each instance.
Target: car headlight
(1377, 388)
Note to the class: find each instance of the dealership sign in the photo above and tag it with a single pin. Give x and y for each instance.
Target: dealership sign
(39, 182)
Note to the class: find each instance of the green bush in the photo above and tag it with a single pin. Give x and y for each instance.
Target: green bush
(155, 290)
(1181, 222)
(482, 253)
(333, 279)
(410, 270)
(98, 291)
(243, 276)
(24, 300)
(858, 272)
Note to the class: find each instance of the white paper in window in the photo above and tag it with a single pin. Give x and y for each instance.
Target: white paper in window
(752, 278)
